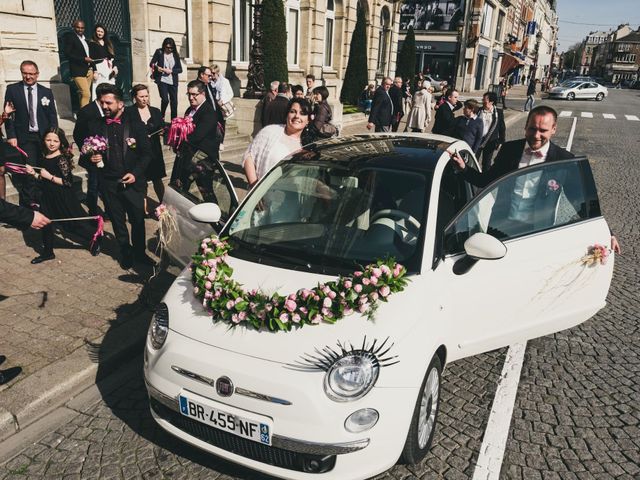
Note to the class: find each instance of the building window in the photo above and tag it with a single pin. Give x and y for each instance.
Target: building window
(241, 37)
(499, 26)
(329, 20)
(487, 17)
(293, 29)
(383, 41)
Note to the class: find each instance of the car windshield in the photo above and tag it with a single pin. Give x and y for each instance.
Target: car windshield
(570, 84)
(330, 216)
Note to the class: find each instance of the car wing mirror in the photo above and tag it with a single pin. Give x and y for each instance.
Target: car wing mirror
(479, 246)
(205, 213)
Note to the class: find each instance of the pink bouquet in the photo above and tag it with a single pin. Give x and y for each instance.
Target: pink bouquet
(93, 145)
(181, 128)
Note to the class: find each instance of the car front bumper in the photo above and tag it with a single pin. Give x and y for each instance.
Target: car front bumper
(309, 439)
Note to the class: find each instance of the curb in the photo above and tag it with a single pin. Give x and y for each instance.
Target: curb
(54, 385)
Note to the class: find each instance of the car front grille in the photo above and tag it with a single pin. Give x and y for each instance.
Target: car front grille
(277, 457)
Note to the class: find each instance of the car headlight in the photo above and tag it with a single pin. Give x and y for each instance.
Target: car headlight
(159, 328)
(351, 376)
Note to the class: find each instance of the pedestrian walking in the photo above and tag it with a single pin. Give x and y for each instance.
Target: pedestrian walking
(407, 96)
(381, 116)
(445, 112)
(151, 117)
(493, 129)
(420, 114)
(531, 95)
(396, 93)
(35, 113)
(76, 49)
(87, 114)
(165, 66)
(121, 174)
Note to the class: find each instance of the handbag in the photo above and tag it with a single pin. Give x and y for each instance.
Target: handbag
(228, 109)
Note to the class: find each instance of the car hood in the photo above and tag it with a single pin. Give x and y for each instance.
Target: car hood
(187, 317)
(559, 89)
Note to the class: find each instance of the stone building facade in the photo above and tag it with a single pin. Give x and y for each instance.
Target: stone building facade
(206, 32)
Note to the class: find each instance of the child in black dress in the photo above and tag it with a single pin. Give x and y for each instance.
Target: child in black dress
(58, 200)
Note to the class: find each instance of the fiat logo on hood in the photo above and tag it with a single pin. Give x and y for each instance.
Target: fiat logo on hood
(224, 387)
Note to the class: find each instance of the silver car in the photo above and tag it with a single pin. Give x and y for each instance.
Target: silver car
(579, 89)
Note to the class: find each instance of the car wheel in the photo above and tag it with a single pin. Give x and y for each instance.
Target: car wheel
(571, 96)
(425, 416)
(599, 97)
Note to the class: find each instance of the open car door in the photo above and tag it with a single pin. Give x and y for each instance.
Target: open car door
(548, 217)
(206, 182)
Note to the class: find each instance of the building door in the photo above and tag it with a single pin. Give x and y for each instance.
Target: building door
(480, 68)
(114, 15)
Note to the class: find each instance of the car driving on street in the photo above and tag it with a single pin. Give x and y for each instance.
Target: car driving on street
(572, 90)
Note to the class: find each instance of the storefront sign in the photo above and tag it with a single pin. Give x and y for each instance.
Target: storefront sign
(435, 47)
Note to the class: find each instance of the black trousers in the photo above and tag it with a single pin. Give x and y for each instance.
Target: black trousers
(122, 202)
(26, 184)
(487, 154)
(168, 96)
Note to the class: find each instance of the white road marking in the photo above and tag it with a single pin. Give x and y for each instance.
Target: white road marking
(586, 114)
(632, 118)
(609, 115)
(495, 436)
(565, 113)
(571, 134)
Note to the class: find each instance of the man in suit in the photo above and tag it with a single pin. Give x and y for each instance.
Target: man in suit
(535, 148)
(35, 113)
(275, 112)
(397, 98)
(381, 116)
(311, 84)
(444, 115)
(22, 218)
(86, 115)
(204, 75)
(121, 174)
(493, 128)
(468, 126)
(76, 49)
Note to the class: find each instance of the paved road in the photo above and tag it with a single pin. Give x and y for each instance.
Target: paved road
(577, 410)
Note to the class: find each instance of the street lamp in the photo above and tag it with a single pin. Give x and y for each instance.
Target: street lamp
(255, 74)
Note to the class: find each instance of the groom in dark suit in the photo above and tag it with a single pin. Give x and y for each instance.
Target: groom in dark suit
(121, 174)
(35, 113)
(535, 148)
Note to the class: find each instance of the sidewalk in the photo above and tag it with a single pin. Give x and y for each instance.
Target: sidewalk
(72, 321)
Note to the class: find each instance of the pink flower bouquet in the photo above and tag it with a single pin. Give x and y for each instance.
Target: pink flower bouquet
(93, 145)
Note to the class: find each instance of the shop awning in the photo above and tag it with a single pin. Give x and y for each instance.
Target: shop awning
(509, 63)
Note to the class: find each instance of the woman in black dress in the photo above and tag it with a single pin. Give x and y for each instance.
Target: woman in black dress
(102, 52)
(152, 118)
(58, 200)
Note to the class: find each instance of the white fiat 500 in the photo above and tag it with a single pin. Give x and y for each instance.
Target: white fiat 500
(347, 400)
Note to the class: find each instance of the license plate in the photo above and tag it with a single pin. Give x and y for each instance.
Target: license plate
(207, 411)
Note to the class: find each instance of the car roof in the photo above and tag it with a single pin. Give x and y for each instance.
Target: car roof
(404, 151)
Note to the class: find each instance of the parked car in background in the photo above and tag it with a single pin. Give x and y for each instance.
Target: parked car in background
(346, 399)
(572, 90)
(437, 83)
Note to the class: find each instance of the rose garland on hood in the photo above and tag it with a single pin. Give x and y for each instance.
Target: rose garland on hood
(227, 301)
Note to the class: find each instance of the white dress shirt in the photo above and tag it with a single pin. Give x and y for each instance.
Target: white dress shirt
(84, 43)
(526, 186)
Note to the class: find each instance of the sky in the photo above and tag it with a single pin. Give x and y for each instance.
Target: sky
(598, 15)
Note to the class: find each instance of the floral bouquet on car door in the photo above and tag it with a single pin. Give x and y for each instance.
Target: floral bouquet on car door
(93, 145)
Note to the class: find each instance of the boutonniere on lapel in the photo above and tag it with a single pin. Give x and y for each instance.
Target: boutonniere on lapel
(45, 101)
(553, 185)
(131, 142)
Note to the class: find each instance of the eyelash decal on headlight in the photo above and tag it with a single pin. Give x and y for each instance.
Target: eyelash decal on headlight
(323, 359)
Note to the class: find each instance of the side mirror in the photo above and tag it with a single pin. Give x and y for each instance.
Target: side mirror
(205, 213)
(482, 246)
(479, 246)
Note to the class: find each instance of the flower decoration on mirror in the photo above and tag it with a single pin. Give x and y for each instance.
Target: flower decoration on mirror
(596, 254)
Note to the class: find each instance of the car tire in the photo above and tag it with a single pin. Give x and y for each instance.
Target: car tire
(599, 97)
(425, 415)
(571, 96)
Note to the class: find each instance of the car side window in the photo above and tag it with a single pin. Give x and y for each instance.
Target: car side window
(527, 201)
